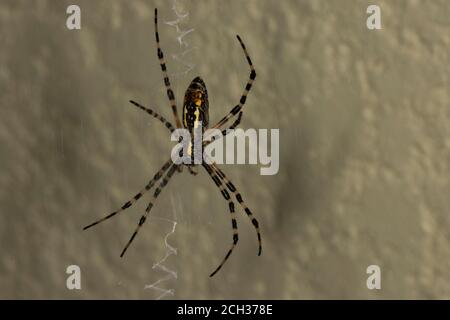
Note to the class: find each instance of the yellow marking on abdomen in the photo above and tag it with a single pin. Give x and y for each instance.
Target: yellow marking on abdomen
(197, 115)
(185, 117)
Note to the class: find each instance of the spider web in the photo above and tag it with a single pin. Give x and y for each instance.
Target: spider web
(160, 265)
(181, 35)
(186, 67)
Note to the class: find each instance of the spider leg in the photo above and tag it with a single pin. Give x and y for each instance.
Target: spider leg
(238, 197)
(248, 86)
(129, 203)
(224, 131)
(226, 195)
(155, 115)
(158, 190)
(234, 125)
(162, 63)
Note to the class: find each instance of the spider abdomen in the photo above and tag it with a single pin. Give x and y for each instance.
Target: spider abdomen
(196, 106)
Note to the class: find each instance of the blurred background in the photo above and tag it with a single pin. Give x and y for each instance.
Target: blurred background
(364, 121)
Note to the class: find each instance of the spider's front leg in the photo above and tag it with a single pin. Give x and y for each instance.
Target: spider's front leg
(162, 63)
(248, 86)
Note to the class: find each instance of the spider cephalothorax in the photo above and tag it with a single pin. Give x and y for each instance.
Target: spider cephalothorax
(195, 110)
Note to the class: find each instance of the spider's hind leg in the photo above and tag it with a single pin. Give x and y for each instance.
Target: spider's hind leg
(158, 190)
(227, 197)
(237, 195)
(129, 203)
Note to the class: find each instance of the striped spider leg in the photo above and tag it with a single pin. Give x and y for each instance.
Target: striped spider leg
(155, 115)
(129, 203)
(220, 179)
(209, 140)
(227, 197)
(248, 86)
(157, 192)
(156, 177)
(162, 63)
(230, 186)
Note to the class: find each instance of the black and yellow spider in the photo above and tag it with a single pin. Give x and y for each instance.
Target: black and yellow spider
(195, 109)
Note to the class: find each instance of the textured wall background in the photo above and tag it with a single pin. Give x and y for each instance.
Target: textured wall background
(365, 149)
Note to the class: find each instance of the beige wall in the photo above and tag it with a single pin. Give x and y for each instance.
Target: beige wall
(364, 121)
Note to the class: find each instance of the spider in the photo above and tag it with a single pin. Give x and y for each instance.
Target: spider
(195, 109)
